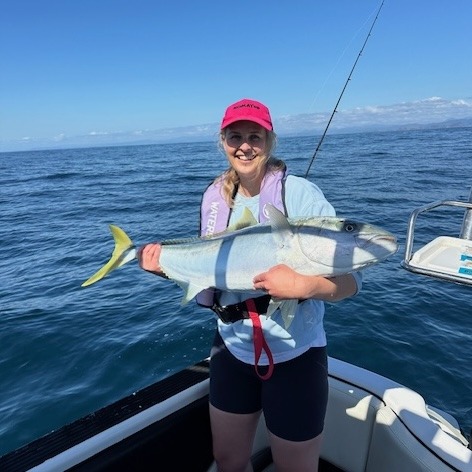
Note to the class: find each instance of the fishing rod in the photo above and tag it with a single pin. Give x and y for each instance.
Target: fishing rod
(342, 91)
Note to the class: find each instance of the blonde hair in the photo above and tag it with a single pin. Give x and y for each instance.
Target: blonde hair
(229, 180)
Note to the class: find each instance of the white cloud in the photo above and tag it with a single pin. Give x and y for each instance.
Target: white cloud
(98, 133)
(462, 103)
(424, 112)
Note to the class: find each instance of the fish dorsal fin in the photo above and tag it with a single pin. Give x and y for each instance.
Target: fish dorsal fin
(279, 221)
(247, 219)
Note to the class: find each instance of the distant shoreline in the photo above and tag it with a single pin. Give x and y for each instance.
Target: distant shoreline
(201, 134)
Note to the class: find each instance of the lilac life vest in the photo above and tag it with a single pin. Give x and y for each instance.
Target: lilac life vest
(215, 213)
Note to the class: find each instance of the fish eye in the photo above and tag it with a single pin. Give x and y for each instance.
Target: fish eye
(349, 227)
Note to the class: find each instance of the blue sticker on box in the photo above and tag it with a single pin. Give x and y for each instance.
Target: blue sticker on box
(465, 271)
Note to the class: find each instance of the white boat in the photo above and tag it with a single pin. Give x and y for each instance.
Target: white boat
(373, 424)
(445, 257)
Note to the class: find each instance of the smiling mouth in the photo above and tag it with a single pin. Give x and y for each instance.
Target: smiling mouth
(245, 158)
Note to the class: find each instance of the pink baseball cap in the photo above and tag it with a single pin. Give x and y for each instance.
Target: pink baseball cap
(250, 110)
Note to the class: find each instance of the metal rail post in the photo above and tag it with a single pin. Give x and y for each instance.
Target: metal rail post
(466, 230)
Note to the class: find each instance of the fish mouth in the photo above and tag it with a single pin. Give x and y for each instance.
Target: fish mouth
(385, 241)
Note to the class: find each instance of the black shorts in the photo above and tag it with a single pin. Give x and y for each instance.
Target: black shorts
(293, 399)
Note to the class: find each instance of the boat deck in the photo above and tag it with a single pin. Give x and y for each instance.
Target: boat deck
(181, 441)
(372, 424)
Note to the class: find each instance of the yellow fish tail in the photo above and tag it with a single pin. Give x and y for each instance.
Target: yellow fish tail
(122, 245)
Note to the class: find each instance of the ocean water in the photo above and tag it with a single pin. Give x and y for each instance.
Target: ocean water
(66, 351)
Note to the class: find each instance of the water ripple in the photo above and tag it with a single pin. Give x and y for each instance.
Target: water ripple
(66, 351)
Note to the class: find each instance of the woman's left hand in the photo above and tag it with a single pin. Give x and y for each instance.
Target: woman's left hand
(283, 282)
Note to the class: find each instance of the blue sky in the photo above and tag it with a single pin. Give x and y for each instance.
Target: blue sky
(72, 68)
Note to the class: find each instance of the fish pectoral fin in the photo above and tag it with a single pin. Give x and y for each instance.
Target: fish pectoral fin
(287, 309)
(122, 244)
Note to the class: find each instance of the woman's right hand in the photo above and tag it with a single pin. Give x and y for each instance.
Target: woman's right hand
(148, 257)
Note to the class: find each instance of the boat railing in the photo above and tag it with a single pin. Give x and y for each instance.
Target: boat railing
(448, 258)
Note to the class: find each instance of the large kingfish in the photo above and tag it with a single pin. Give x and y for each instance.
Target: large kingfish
(326, 246)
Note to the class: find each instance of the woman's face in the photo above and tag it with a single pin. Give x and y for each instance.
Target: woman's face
(245, 144)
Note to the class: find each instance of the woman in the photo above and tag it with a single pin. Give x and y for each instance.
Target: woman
(288, 379)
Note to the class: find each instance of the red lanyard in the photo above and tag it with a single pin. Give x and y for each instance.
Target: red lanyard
(260, 343)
